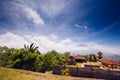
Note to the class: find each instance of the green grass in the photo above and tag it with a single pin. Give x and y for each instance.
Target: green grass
(14, 74)
(10, 74)
(79, 65)
(93, 63)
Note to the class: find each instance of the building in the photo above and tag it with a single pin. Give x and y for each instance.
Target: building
(109, 63)
(71, 60)
(79, 58)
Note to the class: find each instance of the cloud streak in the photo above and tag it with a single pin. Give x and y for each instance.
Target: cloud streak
(81, 27)
(31, 14)
(53, 8)
(34, 16)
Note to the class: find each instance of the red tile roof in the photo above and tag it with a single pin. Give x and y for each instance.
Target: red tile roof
(79, 57)
(71, 58)
(108, 61)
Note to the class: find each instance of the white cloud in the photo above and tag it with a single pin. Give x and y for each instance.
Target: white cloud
(78, 26)
(81, 27)
(104, 48)
(85, 27)
(46, 44)
(66, 41)
(53, 37)
(20, 10)
(34, 16)
(12, 40)
(53, 7)
(30, 13)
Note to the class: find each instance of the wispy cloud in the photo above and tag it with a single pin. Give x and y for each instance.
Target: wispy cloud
(34, 16)
(31, 14)
(85, 27)
(78, 26)
(104, 30)
(81, 26)
(53, 7)
(19, 15)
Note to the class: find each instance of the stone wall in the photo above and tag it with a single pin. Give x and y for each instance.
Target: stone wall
(89, 72)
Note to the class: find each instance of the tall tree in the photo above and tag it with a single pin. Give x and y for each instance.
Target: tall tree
(94, 57)
(66, 54)
(90, 57)
(32, 48)
(100, 55)
(5, 52)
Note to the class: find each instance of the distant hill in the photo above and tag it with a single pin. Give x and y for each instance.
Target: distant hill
(115, 57)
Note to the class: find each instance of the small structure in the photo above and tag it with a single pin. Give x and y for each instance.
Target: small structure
(79, 58)
(71, 60)
(109, 63)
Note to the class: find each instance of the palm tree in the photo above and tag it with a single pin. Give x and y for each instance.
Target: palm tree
(95, 59)
(100, 55)
(90, 57)
(32, 48)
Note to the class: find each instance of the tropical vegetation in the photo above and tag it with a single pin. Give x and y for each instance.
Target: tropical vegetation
(30, 58)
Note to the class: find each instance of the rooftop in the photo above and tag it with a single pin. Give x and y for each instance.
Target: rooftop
(108, 61)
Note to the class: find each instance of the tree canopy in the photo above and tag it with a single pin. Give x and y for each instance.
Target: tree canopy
(29, 58)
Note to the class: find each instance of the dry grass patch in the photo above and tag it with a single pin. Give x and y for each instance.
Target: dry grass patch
(14, 74)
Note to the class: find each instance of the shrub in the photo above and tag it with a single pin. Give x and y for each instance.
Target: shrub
(65, 72)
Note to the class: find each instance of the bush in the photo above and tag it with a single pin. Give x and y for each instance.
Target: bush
(30, 59)
(65, 72)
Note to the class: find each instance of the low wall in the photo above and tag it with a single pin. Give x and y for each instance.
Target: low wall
(89, 72)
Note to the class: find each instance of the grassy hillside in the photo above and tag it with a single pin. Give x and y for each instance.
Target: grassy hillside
(14, 74)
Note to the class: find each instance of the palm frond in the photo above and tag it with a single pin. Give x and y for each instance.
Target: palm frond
(31, 46)
(25, 46)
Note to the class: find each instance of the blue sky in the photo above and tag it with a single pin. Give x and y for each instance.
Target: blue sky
(78, 26)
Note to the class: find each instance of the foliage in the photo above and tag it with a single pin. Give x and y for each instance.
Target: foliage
(20, 58)
(51, 58)
(93, 58)
(23, 59)
(65, 72)
(32, 48)
(5, 52)
(100, 55)
(87, 57)
(29, 59)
